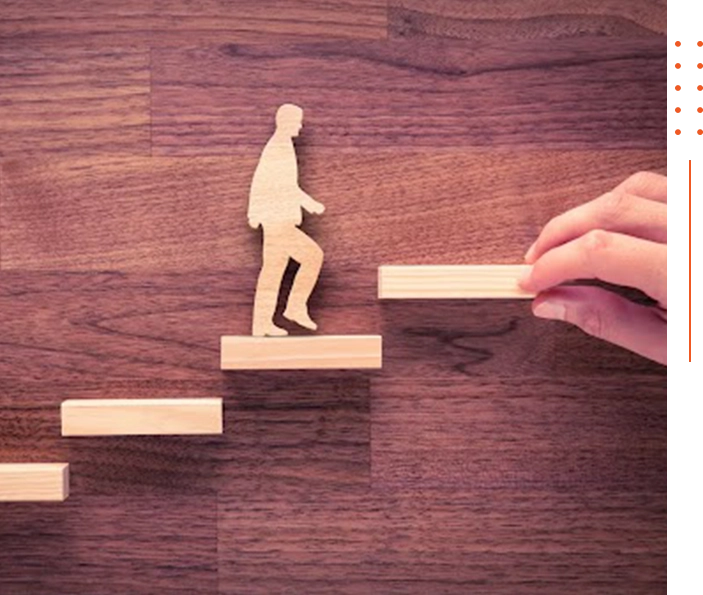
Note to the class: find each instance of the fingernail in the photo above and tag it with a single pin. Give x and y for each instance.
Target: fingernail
(530, 252)
(551, 310)
(524, 277)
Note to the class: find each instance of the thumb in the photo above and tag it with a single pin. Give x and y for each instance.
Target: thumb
(608, 316)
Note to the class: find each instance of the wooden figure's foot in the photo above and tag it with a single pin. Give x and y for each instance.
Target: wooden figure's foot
(301, 317)
(270, 330)
(275, 331)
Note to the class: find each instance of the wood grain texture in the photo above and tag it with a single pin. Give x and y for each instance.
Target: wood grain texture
(295, 433)
(479, 281)
(132, 214)
(444, 541)
(337, 352)
(152, 23)
(34, 482)
(427, 93)
(517, 19)
(473, 436)
(473, 339)
(110, 544)
(73, 101)
(141, 417)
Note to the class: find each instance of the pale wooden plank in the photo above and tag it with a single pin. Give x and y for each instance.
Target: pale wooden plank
(140, 417)
(450, 281)
(290, 353)
(34, 482)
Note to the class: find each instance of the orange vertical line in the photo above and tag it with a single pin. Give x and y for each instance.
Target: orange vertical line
(690, 261)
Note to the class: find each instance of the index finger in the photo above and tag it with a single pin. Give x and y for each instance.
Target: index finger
(645, 184)
(614, 211)
(610, 257)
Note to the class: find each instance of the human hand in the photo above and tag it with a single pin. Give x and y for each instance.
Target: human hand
(619, 238)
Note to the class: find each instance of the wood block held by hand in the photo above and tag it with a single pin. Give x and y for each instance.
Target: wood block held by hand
(290, 353)
(401, 282)
(141, 417)
(34, 482)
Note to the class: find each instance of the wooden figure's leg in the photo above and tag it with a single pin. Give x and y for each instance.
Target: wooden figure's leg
(305, 251)
(275, 260)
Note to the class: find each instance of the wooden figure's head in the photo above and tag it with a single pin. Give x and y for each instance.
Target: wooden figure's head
(289, 120)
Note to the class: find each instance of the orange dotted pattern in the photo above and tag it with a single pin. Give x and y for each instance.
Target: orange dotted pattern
(679, 88)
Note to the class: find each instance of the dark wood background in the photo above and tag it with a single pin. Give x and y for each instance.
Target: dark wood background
(494, 453)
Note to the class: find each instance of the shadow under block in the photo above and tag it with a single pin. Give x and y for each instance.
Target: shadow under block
(293, 353)
(33, 482)
(141, 417)
(405, 282)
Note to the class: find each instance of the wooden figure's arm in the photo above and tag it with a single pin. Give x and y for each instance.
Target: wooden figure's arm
(310, 204)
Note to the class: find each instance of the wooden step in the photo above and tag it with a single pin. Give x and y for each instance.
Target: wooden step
(33, 482)
(292, 353)
(427, 282)
(141, 417)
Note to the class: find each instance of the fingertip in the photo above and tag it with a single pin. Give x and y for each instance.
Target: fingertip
(550, 309)
(525, 278)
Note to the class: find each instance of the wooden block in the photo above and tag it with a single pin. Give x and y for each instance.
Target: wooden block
(450, 282)
(140, 417)
(291, 353)
(33, 482)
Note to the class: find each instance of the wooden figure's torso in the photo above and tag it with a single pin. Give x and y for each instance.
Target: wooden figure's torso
(275, 195)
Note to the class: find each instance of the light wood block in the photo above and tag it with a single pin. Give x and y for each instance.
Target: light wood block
(450, 282)
(290, 353)
(33, 482)
(140, 417)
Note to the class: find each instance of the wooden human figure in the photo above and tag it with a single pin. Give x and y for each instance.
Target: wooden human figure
(276, 202)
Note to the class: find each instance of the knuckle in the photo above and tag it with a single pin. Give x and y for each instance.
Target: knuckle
(614, 205)
(640, 178)
(589, 320)
(595, 242)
